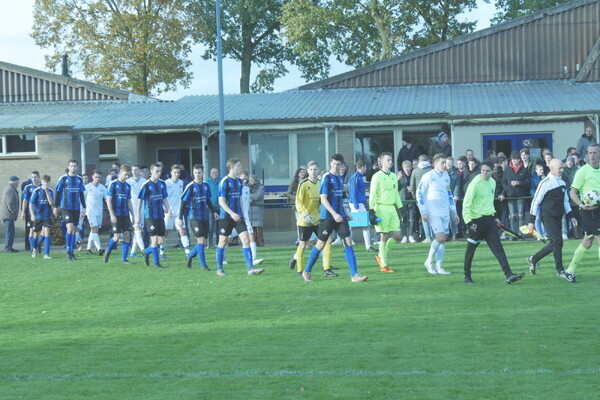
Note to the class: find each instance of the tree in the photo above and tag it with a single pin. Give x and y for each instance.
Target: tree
(136, 45)
(361, 32)
(249, 31)
(511, 9)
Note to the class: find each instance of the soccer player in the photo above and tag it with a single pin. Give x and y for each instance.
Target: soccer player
(25, 215)
(230, 190)
(195, 203)
(550, 203)
(308, 201)
(587, 178)
(70, 203)
(153, 196)
(40, 211)
(95, 192)
(245, 202)
(118, 202)
(174, 191)
(358, 199)
(436, 203)
(482, 224)
(385, 201)
(333, 218)
(135, 183)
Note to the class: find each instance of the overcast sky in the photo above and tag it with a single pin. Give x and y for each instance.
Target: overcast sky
(17, 47)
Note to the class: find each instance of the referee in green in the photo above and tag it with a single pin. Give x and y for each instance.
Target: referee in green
(479, 216)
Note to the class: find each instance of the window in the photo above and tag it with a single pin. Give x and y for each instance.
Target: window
(18, 144)
(368, 146)
(107, 148)
(270, 157)
(506, 143)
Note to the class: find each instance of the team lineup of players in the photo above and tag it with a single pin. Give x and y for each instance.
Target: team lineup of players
(157, 205)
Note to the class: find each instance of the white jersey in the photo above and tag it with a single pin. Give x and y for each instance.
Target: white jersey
(434, 196)
(93, 198)
(245, 205)
(136, 186)
(174, 191)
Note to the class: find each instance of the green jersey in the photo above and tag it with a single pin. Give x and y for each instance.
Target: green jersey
(384, 190)
(587, 178)
(479, 199)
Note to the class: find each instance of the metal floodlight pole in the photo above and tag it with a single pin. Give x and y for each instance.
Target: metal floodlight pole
(222, 141)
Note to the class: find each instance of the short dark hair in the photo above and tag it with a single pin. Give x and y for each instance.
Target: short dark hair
(198, 166)
(488, 164)
(515, 155)
(337, 157)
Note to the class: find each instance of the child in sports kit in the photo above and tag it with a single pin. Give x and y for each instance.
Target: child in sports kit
(135, 182)
(25, 215)
(40, 212)
(333, 218)
(70, 202)
(95, 192)
(195, 203)
(153, 196)
(587, 179)
(118, 202)
(230, 190)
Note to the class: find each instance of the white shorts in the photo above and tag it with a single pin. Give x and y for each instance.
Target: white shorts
(170, 222)
(439, 223)
(141, 224)
(95, 220)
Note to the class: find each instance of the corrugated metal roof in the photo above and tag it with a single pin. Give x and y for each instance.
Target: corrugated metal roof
(451, 101)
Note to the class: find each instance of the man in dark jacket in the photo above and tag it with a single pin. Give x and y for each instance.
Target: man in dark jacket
(9, 211)
(440, 145)
(515, 183)
(585, 140)
(408, 152)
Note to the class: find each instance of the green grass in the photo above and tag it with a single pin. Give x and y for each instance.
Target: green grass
(91, 330)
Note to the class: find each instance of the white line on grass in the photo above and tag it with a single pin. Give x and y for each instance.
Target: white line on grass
(179, 375)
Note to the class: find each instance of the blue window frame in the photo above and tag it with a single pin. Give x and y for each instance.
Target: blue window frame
(515, 142)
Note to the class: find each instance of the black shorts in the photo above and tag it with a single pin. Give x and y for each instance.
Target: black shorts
(307, 231)
(327, 226)
(39, 224)
(227, 225)
(198, 228)
(29, 224)
(156, 227)
(590, 221)
(122, 225)
(70, 216)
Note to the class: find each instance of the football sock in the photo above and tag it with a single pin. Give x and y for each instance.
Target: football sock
(433, 250)
(73, 243)
(220, 257)
(32, 242)
(193, 252)
(201, 255)
(68, 242)
(47, 246)
(577, 257)
(97, 241)
(90, 241)
(139, 239)
(162, 246)
(299, 256)
(111, 245)
(185, 242)
(327, 256)
(253, 249)
(41, 240)
(367, 237)
(247, 256)
(124, 251)
(383, 252)
(155, 257)
(440, 255)
(351, 260)
(312, 259)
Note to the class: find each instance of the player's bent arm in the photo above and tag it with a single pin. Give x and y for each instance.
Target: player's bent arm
(574, 194)
(325, 203)
(225, 207)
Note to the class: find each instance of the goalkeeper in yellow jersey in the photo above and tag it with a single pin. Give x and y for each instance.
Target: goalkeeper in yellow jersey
(308, 203)
(384, 199)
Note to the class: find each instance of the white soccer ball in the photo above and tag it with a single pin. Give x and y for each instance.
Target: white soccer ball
(591, 198)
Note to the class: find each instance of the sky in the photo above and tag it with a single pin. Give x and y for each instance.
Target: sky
(17, 47)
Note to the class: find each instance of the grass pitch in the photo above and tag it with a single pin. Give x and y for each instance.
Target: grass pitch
(91, 330)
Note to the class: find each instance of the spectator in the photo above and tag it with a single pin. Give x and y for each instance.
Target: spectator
(516, 182)
(455, 188)
(440, 146)
(299, 176)
(526, 158)
(538, 174)
(408, 152)
(470, 155)
(585, 140)
(471, 172)
(423, 168)
(499, 203)
(257, 209)
(9, 211)
(407, 198)
(490, 155)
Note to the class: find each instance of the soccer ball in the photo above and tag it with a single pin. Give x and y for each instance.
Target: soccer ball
(591, 198)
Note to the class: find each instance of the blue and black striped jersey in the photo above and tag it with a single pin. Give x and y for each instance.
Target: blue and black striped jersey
(231, 189)
(69, 192)
(121, 194)
(153, 193)
(40, 203)
(333, 187)
(195, 196)
(27, 191)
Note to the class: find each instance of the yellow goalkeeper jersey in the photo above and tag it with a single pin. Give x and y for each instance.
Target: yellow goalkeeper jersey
(308, 200)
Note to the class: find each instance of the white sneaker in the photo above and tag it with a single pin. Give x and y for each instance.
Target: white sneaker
(225, 262)
(430, 269)
(359, 278)
(404, 240)
(258, 261)
(411, 239)
(565, 237)
(33, 253)
(306, 276)
(441, 271)
(427, 240)
(47, 257)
